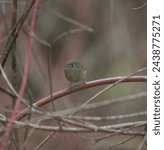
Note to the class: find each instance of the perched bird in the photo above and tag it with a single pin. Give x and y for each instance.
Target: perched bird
(75, 72)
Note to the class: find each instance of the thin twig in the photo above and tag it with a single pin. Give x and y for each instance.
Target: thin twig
(136, 8)
(125, 141)
(8, 92)
(107, 118)
(73, 31)
(14, 92)
(142, 143)
(45, 140)
(107, 88)
(49, 45)
(67, 19)
(38, 39)
(29, 134)
(98, 104)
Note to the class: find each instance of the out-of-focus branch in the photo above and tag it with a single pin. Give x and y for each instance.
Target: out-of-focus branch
(67, 19)
(8, 92)
(104, 103)
(107, 88)
(143, 5)
(105, 118)
(14, 34)
(123, 128)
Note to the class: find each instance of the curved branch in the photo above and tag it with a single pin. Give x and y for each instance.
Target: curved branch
(87, 85)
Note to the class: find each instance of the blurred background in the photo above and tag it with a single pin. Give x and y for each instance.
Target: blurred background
(108, 36)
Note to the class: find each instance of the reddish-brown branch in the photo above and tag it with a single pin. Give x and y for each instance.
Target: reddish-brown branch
(25, 77)
(90, 84)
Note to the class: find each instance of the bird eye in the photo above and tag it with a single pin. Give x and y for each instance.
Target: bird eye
(72, 65)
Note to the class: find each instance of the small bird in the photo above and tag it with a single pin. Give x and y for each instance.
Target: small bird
(75, 72)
